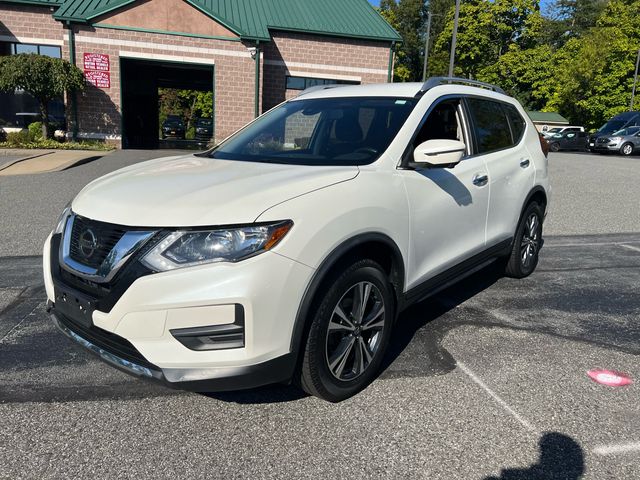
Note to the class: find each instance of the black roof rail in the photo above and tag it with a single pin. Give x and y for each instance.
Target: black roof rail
(435, 81)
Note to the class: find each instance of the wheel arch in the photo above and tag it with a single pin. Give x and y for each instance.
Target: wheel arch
(376, 246)
(537, 194)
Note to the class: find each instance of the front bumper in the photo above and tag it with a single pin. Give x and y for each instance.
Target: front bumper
(199, 380)
(151, 310)
(604, 147)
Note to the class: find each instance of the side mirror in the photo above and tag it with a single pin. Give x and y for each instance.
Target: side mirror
(439, 153)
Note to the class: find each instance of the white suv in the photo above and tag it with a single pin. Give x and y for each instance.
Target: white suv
(287, 252)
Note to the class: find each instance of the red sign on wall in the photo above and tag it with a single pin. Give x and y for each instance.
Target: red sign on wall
(98, 79)
(97, 69)
(96, 61)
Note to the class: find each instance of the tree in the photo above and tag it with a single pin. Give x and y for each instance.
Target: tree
(43, 77)
(487, 30)
(408, 18)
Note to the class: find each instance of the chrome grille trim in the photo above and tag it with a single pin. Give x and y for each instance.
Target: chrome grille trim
(127, 245)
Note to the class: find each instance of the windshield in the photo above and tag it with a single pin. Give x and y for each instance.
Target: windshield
(612, 126)
(627, 131)
(324, 131)
(204, 122)
(554, 130)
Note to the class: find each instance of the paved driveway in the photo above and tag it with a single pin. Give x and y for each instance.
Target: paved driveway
(486, 380)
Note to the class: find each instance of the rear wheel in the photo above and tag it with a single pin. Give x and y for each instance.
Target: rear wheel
(349, 333)
(554, 147)
(527, 242)
(626, 149)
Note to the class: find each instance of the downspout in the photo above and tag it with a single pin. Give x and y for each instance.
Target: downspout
(72, 59)
(390, 68)
(257, 91)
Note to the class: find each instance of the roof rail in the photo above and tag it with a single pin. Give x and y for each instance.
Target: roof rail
(435, 81)
(315, 88)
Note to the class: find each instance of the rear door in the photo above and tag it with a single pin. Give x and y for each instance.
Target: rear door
(499, 130)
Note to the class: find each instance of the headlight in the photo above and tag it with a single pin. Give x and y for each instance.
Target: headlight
(62, 219)
(186, 248)
(615, 139)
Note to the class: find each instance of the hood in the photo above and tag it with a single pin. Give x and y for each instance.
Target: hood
(199, 191)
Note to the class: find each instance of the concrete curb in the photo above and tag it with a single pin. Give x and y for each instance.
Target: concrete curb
(13, 153)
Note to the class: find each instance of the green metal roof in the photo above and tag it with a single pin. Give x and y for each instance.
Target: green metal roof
(44, 3)
(551, 117)
(252, 19)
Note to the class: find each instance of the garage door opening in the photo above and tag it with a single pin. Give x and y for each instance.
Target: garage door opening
(166, 104)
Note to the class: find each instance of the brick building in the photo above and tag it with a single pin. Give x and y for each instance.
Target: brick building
(252, 54)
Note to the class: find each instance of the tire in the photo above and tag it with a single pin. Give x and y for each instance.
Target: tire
(626, 149)
(526, 244)
(554, 147)
(339, 362)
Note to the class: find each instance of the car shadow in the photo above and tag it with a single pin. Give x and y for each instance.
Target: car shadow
(436, 360)
(561, 457)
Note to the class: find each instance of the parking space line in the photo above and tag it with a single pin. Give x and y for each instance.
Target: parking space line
(630, 247)
(593, 244)
(497, 398)
(619, 448)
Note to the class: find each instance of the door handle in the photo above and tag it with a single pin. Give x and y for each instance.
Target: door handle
(524, 163)
(480, 179)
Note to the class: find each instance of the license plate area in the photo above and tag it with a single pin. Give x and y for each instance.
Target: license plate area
(75, 306)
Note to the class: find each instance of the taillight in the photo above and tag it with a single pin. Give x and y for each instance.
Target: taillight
(544, 144)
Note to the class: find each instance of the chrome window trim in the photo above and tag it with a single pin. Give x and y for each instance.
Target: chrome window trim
(122, 251)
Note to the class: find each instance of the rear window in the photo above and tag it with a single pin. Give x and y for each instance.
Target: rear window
(517, 122)
(490, 125)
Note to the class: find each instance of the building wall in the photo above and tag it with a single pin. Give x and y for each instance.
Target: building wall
(99, 109)
(29, 24)
(300, 54)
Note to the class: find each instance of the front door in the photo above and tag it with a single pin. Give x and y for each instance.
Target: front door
(448, 206)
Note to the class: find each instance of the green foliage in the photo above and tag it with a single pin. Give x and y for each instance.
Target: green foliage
(22, 140)
(35, 131)
(189, 104)
(43, 77)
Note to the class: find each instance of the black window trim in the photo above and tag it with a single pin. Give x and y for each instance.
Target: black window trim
(473, 129)
(466, 126)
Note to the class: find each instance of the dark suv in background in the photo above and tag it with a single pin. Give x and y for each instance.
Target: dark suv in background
(173, 127)
(204, 129)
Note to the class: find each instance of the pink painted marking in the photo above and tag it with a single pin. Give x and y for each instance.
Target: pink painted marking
(611, 378)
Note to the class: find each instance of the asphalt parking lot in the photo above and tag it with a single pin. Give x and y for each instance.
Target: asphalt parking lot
(487, 380)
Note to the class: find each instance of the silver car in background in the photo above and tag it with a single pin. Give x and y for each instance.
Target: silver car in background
(624, 141)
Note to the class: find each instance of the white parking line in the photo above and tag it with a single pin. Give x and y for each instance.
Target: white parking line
(593, 244)
(495, 396)
(619, 448)
(630, 247)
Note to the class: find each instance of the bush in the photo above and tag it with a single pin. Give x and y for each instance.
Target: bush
(18, 138)
(190, 134)
(35, 131)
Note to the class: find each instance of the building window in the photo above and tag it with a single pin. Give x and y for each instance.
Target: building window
(18, 109)
(8, 48)
(302, 83)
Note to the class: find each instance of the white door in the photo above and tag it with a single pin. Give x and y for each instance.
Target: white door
(499, 130)
(448, 206)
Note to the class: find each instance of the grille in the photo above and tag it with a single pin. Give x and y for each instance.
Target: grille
(106, 236)
(603, 140)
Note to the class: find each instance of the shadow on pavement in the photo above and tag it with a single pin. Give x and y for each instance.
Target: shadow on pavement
(561, 458)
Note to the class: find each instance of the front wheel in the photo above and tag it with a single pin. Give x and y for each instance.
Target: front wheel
(349, 333)
(526, 244)
(626, 149)
(554, 147)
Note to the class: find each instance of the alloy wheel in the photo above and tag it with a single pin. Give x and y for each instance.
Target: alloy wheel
(530, 243)
(355, 331)
(627, 149)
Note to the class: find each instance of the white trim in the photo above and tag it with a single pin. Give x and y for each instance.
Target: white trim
(333, 68)
(171, 58)
(39, 41)
(328, 76)
(157, 46)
